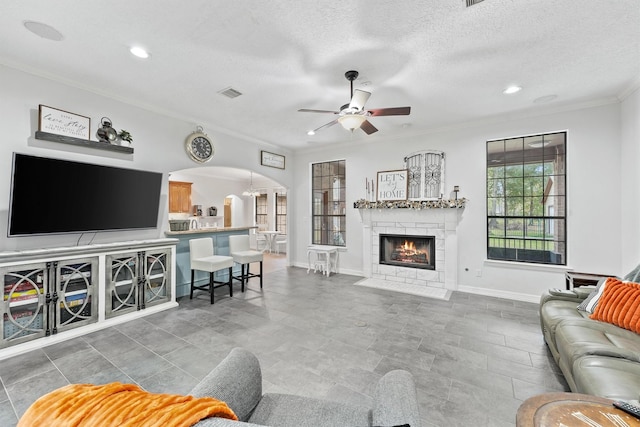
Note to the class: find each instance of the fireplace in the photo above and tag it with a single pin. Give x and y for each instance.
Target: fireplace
(408, 251)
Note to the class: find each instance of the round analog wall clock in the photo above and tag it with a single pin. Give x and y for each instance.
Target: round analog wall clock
(199, 146)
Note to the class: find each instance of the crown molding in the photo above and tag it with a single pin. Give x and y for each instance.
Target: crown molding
(631, 88)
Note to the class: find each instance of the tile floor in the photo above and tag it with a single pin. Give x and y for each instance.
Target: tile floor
(474, 358)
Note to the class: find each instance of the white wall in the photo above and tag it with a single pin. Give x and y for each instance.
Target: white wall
(158, 142)
(630, 181)
(594, 195)
(602, 159)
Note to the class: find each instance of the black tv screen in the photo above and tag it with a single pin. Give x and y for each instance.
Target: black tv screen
(53, 196)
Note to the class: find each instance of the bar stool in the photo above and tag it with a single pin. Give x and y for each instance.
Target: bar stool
(203, 259)
(244, 255)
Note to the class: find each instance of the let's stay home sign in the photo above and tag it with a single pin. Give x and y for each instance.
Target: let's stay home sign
(392, 185)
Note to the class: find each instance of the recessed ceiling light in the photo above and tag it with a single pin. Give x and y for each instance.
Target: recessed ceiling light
(139, 52)
(43, 30)
(511, 90)
(311, 132)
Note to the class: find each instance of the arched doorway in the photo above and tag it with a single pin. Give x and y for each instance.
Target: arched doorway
(219, 190)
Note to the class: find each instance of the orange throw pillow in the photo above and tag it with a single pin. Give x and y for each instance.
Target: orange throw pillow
(619, 305)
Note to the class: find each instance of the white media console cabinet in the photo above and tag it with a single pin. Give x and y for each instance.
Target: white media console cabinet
(51, 295)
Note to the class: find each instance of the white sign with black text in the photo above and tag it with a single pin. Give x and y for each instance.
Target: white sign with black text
(392, 185)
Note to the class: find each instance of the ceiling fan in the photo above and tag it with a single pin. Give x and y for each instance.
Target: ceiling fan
(353, 115)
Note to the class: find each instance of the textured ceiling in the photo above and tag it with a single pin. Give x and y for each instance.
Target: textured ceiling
(448, 62)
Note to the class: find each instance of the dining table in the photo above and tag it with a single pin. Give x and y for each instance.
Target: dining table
(270, 238)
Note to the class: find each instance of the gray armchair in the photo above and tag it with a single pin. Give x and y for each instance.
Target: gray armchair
(237, 380)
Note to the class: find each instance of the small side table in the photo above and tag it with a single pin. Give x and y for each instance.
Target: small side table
(326, 258)
(570, 409)
(574, 279)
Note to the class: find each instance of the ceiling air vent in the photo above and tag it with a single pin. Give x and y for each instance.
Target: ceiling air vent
(230, 92)
(472, 2)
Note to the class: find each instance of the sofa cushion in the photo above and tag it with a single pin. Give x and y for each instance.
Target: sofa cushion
(552, 313)
(575, 339)
(610, 377)
(578, 338)
(619, 305)
(286, 410)
(555, 311)
(590, 303)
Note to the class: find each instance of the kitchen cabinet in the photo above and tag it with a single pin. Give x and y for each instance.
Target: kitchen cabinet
(180, 197)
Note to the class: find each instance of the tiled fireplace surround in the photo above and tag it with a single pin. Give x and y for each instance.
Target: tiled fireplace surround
(439, 222)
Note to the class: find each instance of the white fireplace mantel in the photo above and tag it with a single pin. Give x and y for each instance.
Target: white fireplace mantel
(412, 204)
(439, 222)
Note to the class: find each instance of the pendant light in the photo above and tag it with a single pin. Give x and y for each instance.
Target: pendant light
(251, 192)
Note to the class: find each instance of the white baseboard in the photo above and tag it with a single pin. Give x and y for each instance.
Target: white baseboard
(467, 289)
(83, 330)
(340, 270)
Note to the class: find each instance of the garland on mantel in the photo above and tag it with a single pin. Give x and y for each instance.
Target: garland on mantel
(409, 204)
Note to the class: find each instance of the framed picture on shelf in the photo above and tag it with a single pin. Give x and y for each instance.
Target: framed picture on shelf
(272, 160)
(392, 185)
(60, 122)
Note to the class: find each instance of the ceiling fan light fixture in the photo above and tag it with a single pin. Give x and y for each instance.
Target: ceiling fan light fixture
(353, 115)
(352, 121)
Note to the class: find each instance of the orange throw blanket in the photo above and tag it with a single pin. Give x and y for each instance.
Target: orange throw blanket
(121, 405)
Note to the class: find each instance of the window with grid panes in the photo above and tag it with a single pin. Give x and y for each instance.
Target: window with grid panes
(328, 203)
(526, 199)
(261, 211)
(281, 213)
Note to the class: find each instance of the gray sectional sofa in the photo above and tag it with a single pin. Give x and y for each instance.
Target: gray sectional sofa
(237, 380)
(595, 357)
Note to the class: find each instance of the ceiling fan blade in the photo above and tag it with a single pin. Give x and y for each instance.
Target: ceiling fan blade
(396, 111)
(359, 98)
(368, 128)
(331, 123)
(307, 110)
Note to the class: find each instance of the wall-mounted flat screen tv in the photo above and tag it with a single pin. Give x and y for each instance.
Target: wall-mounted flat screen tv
(54, 196)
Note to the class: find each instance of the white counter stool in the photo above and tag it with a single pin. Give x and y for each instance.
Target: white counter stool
(244, 255)
(202, 258)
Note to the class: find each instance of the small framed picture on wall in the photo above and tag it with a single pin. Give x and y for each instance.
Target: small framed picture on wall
(60, 122)
(272, 160)
(392, 185)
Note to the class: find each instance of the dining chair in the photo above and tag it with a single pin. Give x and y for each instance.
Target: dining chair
(261, 242)
(244, 255)
(203, 258)
(281, 241)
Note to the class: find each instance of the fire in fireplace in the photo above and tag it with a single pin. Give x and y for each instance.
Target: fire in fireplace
(408, 251)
